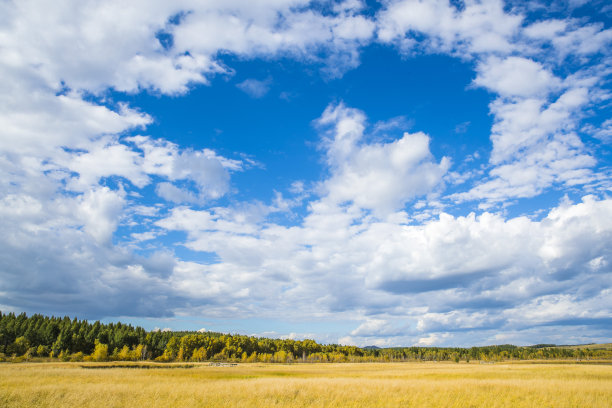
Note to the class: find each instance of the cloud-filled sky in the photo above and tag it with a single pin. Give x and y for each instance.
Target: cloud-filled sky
(395, 172)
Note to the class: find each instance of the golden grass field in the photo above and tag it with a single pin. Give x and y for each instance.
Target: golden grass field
(308, 385)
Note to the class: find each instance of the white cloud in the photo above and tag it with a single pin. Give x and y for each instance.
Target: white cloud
(376, 328)
(529, 122)
(170, 192)
(347, 341)
(52, 138)
(478, 27)
(91, 46)
(535, 146)
(516, 76)
(603, 132)
(143, 236)
(548, 29)
(358, 252)
(254, 88)
(431, 340)
(570, 38)
(54, 58)
(208, 171)
(268, 27)
(472, 272)
(377, 177)
(522, 65)
(107, 159)
(58, 257)
(100, 210)
(64, 121)
(241, 220)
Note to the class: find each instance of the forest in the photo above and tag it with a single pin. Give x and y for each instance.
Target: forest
(24, 338)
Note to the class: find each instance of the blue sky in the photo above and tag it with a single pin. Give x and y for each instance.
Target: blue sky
(393, 173)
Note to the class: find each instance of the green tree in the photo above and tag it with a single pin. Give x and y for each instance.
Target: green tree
(20, 346)
(172, 349)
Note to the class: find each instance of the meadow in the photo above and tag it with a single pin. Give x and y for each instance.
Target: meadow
(411, 384)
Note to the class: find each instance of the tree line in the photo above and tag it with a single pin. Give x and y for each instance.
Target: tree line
(38, 336)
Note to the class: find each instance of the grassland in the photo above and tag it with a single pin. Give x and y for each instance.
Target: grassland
(308, 385)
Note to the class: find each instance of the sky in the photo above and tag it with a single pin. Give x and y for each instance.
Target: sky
(389, 173)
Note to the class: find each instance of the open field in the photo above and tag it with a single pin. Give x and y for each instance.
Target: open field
(307, 385)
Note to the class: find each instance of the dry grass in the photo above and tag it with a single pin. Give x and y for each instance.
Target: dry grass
(309, 385)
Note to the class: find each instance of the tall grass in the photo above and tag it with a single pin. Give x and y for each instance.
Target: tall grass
(317, 385)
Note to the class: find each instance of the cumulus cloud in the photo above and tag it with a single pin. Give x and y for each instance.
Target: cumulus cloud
(516, 76)
(448, 276)
(118, 45)
(104, 159)
(267, 27)
(377, 177)
(88, 48)
(57, 258)
(478, 27)
(100, 210)
(536, 112)
(430, 340)
(60, 137)
(208, 171)
(535, 146)
(376, 328)
(72, 173)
